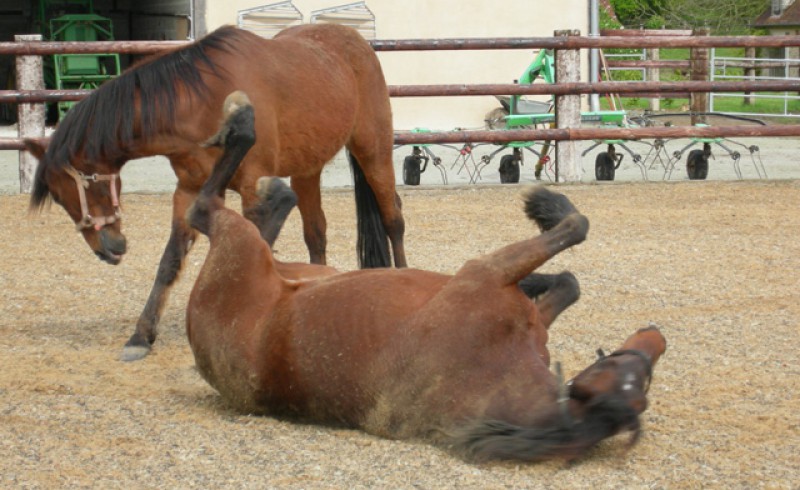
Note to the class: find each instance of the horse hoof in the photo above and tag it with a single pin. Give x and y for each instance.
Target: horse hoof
(134, 353)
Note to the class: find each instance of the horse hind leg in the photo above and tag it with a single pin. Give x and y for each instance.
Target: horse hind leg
(315, 226)
(562, 225)
(378, 208)
(552, 293)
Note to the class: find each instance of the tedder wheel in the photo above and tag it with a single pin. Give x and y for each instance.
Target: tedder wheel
(411, 170)
(604, 166)
(509, 170)
(697, 165)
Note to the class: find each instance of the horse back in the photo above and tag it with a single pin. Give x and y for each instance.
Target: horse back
(310, 86)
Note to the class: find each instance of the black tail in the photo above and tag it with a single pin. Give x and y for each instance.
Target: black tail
(373, 245)
(547, 208)
(493, 440)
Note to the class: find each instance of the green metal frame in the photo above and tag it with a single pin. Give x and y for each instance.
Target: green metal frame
(543, 65)
(77, 71)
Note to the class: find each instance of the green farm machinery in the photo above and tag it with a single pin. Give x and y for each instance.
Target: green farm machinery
(75, 20)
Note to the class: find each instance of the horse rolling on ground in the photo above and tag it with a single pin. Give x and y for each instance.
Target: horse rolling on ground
(405, 353)
(317, 88)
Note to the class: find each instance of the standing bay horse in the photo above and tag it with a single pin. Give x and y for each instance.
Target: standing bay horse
(317, 88)
(459, 360)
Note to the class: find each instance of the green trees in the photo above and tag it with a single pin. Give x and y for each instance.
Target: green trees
(635, 13)
(721, 16)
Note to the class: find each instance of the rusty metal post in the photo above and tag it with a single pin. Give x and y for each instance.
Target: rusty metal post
(699, 60)
(30, 116)
(568, 110)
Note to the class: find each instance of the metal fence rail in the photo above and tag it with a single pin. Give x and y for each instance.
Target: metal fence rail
(567, 90)
(728, 68)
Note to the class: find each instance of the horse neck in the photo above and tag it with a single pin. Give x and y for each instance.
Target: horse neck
(160, 145)
(192, 125)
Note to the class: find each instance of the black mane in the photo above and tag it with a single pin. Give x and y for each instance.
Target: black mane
(102, 125)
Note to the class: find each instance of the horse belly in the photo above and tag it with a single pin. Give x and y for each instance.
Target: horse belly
(346, 329)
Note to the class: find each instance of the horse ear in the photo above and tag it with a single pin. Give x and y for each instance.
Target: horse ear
(37, 146)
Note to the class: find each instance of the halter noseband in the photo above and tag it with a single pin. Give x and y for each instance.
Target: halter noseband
(648, 362)
(563, 388)
(82, 181)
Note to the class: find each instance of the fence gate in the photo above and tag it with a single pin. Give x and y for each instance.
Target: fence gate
(756, 69)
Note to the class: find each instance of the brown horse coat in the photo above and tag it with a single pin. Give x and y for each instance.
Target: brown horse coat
(406, 353)
(317, 89)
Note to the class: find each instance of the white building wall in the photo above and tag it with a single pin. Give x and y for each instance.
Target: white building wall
(415, 19)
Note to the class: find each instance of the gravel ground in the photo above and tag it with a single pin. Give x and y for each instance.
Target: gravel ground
(716, 264)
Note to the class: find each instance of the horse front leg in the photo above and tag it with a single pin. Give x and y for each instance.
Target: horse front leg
(552, 293)
(180, 241)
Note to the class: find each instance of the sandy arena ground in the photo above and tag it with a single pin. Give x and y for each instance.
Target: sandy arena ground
(716, 264)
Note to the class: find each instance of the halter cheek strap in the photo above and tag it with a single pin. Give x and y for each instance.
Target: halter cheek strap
(82, 181)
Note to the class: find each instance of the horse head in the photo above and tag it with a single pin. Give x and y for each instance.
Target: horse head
(622, 376)
(88, 192)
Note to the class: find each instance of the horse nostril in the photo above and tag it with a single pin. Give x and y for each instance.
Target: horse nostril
(114, 244)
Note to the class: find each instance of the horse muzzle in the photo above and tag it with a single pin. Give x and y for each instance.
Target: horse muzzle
(112, 246)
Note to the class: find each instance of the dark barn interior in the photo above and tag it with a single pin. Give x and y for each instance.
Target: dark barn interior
(125, 19)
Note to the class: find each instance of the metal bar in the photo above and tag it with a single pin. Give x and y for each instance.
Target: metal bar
(578, 134)
(11, 144)
(567, 42)
(632, 64)
(83, 47)
(777, 85)
(645, 32)
(589, 88)
(23, 96)
(581, 42)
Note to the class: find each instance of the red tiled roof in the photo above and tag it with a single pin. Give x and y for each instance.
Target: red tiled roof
(790, 17)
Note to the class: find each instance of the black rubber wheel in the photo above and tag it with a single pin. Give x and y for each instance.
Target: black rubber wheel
(411, 170)
(697, 165)
(509, 170)
(604, 167)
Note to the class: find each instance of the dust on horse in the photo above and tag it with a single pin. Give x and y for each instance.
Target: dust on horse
(317, 89)
(408, 353)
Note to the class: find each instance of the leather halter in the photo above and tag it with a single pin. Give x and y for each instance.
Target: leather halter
(82, 181)
(648, 362)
